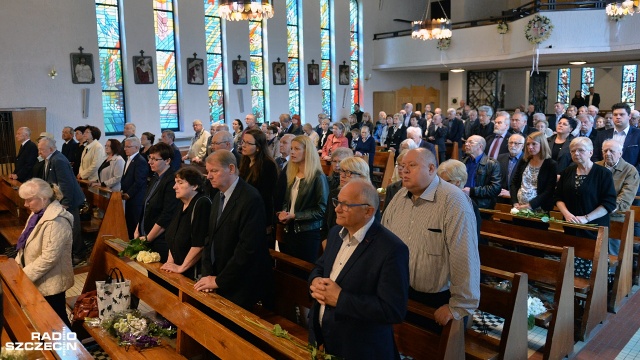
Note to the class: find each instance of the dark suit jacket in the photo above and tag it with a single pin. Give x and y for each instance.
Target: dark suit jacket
(525, 132)
(394, 138)
(596, 100)
(456, 131)
(483, 130)
(69, 150)
(547, 178)
(242, 262)
(375, 283)
(177, 158)
(367, 147)
(321, 141)
(159, 208)
(266, 183)
(504, 147)
(564, 157)
(293, 129)
(503, 160)
(25, 160)
(61, 173)
(440, 135)
(134, 183)
(76, 163)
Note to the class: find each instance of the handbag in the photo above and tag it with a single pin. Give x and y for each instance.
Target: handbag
(114, 294)
(86, 306)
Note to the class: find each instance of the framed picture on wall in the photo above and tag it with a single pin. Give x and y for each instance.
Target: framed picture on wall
(239, 72)
(344, 75)
(195, 71)
(144, 70)
(313, 74)
(279, 73)
(82, 68)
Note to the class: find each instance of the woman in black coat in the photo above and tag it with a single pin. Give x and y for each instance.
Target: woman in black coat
(559, 143)
(366, 145)
(578, 101)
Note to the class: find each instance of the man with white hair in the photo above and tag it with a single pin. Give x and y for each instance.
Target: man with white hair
(484, 175)
(27, 156)
(508, 163)
(485, 126)
(586, 127)
(634, 118)
(625, 180)
(415, 134)
(198, 149)
(593, 111)
(408, 113)
(455, 126)
(470, 124)
(497, 143)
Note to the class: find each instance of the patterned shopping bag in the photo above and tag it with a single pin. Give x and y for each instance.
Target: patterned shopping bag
(114, 294)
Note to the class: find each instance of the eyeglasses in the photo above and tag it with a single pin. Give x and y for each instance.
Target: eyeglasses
(219, 143)
(470, 142)
(128, 146)
(511, 143)
(348, 173)
(247, 143)
(344, 205)
(152, 159)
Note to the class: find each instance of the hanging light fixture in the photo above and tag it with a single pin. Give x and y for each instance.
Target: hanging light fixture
(236, 10)
(431, 29)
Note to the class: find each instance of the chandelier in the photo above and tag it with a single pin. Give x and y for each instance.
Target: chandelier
(430, 29)
(236, 10)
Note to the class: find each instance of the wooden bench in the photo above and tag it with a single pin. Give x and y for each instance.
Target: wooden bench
(452, 150)
(556, 273)
(383, 166)
(635, 279)
(509, 305)
(592, 292)
(25, 311)
(13, 216)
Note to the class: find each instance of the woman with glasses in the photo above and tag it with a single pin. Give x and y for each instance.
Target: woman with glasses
(305, 202)
(534, 177)
(258, 169)
(559, 143)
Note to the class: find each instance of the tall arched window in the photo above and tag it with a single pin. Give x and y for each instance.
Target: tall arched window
(564, 80)
(629, 81)
(166, 64)
(256, 46)
(213, 31)
(293, 44)
(355, 51)
(325, 55)
(587, 80)
(108, 22)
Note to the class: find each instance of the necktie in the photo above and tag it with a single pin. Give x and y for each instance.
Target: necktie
(512, 164)
(46, 169)
(495, 146)
(220, 208)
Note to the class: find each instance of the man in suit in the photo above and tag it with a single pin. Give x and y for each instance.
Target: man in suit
(70, 146)
(416, 135)
(455, 126)
(553, 119)
(79, 133)
(485, 126)
(531, 109)
(592, 98)
(470, 124)
(508, 163)
(235, 260)
(624, 133)
(360, 284)
(129, 131)
(586, 127)
(519, 124)
(168, 137)
(57, 170)
(408, 113)
(27, 156)
(134, 183)
(288, 127)
(498, 142)
(223, 140)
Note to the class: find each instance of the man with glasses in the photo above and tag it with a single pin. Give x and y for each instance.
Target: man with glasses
(360, 282)
(134, 183)
(508, 163)
(436, 221)
(485, 126)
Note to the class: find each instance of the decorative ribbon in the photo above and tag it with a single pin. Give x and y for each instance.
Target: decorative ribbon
(535, 60)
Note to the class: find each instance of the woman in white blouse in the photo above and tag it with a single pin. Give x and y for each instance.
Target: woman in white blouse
(92, 155)
(110, 172)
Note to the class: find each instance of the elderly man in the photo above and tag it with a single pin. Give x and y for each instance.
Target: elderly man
(436, 221)
(508, 163)
(360, 282)
(27, 156)
(470, 124)
(70, 146)
(485, 126)
(235, 260)
(519, 124)
(415, 134)
(198, 148)
(129, 131)
(288, 127)
(134, 183)
(625, 180)
(634, 118)
(223, 140)
(168, 137)
(484, 175)
(250, 120)
(531, 109)
(623, 132)
(586, 127)
(498, 141)
(407, 114)
(559, 111)
(285, 149)
(455, 125)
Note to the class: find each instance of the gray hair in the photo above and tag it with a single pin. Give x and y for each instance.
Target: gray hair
(455, 170)
(616, 143)
(585, 117)
(582, 140)
(411, 131)
(539, 116)
(51, 143)
(134, 141)
(505, 114)
(223, 136)
(486, 109)
(367, 192)
(409, 143)
(170, 134)
(38, 188)
(26, 130)
(340, 152)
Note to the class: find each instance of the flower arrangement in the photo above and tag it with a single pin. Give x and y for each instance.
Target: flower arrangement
(503, 27)
(131, 328)
(443, 44)
(535, 307)
(134, 246)
(148, 257)
(538, 29)
(543, 216)
(617, 12)
(13, 354)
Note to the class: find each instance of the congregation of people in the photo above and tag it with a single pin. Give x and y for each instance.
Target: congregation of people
(214, 213)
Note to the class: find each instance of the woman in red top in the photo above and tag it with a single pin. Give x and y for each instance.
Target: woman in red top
(335, 140)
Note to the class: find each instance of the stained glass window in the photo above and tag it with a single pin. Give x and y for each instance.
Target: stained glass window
(293, 50)
(325, 55)
(213, 31)
(564, 79)
(629, 81)
(166, 64)
(256, 46)
(108, 23)
(587, 80)
(355, 52)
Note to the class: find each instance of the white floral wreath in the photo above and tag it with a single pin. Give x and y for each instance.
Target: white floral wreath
(503, 27)
(443, 44)
(538, 29)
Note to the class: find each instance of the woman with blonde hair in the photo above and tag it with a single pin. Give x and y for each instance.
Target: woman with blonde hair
(44, 247)
(305, 202)
(534, 179)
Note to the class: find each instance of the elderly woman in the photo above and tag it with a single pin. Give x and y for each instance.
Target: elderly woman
(335, 140)
(384, 133)
(534, 179)
(146, 140)
(44, 247)
(366, 146)
(585, 193)
(185, 234)
(111, 170)
(559, 143)
(541, 124)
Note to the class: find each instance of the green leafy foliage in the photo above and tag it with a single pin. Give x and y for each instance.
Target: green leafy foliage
(134, 247)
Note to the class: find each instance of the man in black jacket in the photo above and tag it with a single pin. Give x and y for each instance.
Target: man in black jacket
(27, 156)
(70, 146)
(484, 177)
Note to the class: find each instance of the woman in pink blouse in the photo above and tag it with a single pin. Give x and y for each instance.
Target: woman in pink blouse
(335, 140)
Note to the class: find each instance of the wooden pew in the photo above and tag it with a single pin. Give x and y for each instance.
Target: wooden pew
(453, 151)
(509, 305)
(206, 322)
(109, 205)
(593, 291)
(25, 311)
(622, 280)
(385, 164)
(14, 215)
(635, 280)
(559, 274)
